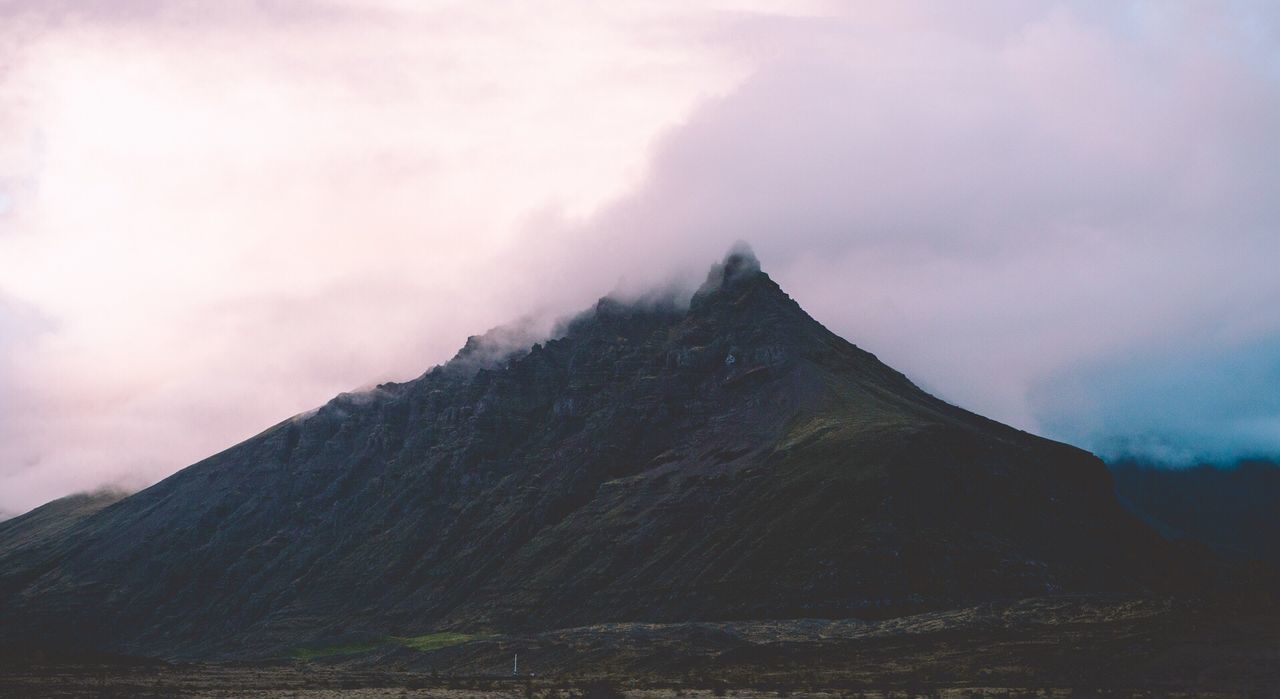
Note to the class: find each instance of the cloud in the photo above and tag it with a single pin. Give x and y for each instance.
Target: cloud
(1178, 405)
(996, 206)
(225, 214)
(228, 216)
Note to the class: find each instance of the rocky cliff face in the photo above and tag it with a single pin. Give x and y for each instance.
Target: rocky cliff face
(731, 459)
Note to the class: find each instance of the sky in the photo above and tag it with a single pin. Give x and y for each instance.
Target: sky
(1065, 216)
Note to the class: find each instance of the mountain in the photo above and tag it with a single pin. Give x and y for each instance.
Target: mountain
(1235, 510)
(726, 458)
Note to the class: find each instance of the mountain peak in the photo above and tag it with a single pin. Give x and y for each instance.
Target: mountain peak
(737, 282)
(739, 264)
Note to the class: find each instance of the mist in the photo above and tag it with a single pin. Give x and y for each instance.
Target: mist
(1063, 216)
(1066, 219)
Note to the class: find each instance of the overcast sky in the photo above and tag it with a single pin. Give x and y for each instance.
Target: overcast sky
(1065, 216)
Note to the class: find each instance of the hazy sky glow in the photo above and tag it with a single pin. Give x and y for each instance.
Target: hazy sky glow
(215, 215)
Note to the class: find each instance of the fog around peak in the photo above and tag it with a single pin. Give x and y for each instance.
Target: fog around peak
(1061, 215)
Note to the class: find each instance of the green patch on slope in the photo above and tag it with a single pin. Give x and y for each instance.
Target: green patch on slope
(424, 643)
(435, 641)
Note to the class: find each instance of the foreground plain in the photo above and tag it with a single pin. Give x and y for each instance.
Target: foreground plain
(1087, 646)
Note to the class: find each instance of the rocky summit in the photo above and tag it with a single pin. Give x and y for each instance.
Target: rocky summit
(710, 460)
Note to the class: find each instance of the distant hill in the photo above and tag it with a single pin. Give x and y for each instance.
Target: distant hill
(1233, 509)
(46, 524)
(720, 458)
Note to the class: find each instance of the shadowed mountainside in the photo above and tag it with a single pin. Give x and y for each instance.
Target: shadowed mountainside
(1234, 510)
(728, 459)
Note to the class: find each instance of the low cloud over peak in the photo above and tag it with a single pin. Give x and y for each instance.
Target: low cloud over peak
(1003, 214)
(1062, 215)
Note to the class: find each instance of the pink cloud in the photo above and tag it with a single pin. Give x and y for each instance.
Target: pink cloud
(224, 216)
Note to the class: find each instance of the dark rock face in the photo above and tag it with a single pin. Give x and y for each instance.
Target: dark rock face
(729, 460)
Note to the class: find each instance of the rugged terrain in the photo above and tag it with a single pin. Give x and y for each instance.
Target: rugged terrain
(724, 459)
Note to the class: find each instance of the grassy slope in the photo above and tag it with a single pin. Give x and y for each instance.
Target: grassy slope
(425, 643)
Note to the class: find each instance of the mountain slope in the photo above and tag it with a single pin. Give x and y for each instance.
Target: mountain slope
(729, 460)
(45, 525)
